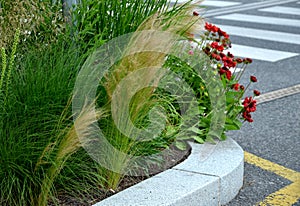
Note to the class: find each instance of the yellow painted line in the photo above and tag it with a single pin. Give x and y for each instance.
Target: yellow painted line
(283, 197)
(272, 167)
(287, 195)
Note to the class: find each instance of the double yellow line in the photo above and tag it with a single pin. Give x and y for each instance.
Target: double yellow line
(286, 196)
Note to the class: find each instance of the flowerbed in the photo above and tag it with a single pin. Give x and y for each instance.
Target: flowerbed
(190, 91)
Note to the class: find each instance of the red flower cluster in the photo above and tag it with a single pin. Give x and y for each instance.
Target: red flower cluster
(216, 46)
(218, 43)
(215, 29)
(249, 106)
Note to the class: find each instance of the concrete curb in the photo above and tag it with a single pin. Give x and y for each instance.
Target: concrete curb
(211, 175)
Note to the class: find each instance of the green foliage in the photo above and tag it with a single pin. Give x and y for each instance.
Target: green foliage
(102, 20)
(35, 122)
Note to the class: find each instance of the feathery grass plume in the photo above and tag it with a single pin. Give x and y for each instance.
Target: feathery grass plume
(12, 58)
(67, 144)
(139, 54)
(3, 69)
(6, 72)
(179, 20)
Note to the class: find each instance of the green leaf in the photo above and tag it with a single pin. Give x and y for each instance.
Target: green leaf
(231, 127)
(198, 139)
(180, 145)
(195, 130)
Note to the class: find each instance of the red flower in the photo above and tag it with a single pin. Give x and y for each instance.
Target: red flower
(247, 61)
(249, 104)
(216, 56)
(222, 55)
(226, 71)
(247, 116)
(239, 60)
(223, 33)
(256, 92)
(228, 62)
(228, 74)
(242, 87)
(211, 28)
(216, 46)
(230, 55)
(253, 79)
(236, 86)
(195, 13)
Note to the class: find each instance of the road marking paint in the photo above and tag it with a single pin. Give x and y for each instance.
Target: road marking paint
(262, 34)
(282, 10)
(260, 19)
(266, 97)
(213, 3)
(272, 167)
(260, 53)
(219, 3)
(244, 7)
(283, 197)
(287, 195)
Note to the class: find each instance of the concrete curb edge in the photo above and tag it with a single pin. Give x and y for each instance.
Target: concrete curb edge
(211, 175)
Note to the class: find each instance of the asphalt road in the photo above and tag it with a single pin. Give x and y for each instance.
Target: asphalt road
(275, 133)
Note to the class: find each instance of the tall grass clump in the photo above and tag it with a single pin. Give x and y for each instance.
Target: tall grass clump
(104, 20)
(37, 134)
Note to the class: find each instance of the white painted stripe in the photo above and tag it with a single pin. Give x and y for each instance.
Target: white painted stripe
(212, 3)
(262, 34)
(244, 7)
(261, 19)
(282, 10)
(180, 1)
(260, 53)
(219, 3)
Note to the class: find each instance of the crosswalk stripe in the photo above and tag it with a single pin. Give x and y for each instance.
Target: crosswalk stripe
(260, 53)
(213, 3)
(219, 3)
(262, 34)
(260, 19)
(282, 10)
